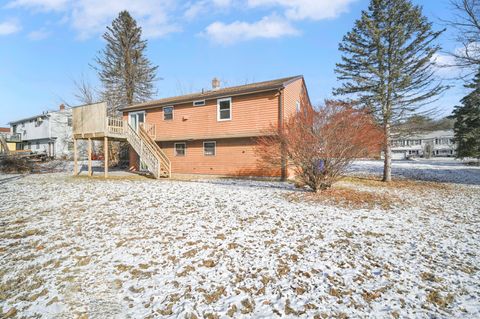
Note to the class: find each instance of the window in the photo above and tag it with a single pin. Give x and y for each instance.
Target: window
(297, 105)
(199, 103)
(209, 148)
(69, 121)
(168, 113)
(180, 149)
(38, 145)
(224, 109)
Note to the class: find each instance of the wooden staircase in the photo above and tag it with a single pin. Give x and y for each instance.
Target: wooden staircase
(3, 145)
(150, 153)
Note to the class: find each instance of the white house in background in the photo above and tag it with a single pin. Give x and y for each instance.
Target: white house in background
(429, 144)
(49, 133)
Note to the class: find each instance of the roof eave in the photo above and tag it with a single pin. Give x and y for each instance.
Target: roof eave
(212, 97)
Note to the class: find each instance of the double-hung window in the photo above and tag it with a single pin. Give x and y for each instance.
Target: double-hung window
(180, 149)
(224, 109)
(209, 148)
(167, 113)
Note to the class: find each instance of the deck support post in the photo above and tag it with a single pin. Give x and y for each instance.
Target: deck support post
(89, 157)
(105, 155)
(75, 157)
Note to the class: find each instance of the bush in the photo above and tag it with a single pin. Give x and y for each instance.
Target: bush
(320, 144)
(16, 164)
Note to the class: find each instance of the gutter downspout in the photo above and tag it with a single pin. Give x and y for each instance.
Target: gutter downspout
(280, 129)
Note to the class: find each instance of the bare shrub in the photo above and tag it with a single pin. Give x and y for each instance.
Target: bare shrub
(15, 164)
(320, 144)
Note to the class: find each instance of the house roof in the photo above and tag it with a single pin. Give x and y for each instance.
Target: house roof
(5, 129)
(28, 118)
(210, 94)
(428, 135)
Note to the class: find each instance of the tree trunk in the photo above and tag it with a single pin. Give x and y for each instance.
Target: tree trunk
(387, 164)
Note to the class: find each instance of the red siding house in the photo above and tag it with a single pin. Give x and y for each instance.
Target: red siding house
(214, 131)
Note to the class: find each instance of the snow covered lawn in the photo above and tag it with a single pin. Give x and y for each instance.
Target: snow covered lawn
(83, 248)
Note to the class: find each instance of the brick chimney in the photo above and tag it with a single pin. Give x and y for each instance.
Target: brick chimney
(215, 84)
(62, 107)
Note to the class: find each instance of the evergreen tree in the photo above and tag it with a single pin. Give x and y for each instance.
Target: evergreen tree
(387, 64)
(467, 122)
(126, 73)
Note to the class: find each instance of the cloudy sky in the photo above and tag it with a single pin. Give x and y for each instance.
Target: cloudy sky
(47, 44)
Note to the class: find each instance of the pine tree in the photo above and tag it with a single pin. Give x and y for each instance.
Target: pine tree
(467, 122)
(126, 73)
(387, 64)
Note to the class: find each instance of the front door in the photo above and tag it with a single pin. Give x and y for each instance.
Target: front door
(135, 119)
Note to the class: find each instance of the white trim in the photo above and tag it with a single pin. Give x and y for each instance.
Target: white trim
(218, 109)
(214, 148)
(163, 111)
(175, 149)
(202, 103)
(137, 112)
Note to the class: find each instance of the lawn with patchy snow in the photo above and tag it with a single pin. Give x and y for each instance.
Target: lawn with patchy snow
(92, 248)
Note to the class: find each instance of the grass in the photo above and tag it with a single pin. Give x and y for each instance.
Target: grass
(347, 198)
(375, 193)
(373, 181)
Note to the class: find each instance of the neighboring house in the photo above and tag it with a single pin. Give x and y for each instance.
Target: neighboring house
(429, 144)
(49, 133)
(215, 131)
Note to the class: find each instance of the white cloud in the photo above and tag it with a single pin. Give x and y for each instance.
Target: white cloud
(39, 34)
(445, 65)
(42, 5)
(195, 9)
(9, 27)
(267, 27)
(307, 9)
(90, 17)
(222, 3)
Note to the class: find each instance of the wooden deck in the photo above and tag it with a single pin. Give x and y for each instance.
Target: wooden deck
(90, 122)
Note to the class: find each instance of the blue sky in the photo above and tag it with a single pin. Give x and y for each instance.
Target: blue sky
(47, 44)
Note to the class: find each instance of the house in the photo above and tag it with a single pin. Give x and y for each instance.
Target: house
(215, 131)
(9, 140)
(210, 132)
(49, 133)
(438, 143)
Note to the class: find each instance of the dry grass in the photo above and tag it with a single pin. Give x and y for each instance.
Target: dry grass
(346, 195)
(347, 198)
(373, 181)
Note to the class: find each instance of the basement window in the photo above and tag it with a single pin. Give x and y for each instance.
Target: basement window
(224, 109)
(209, 148)
(180, 149)
(199, 103)
(168, 113)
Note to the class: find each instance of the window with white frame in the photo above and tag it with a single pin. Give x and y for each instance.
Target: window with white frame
(224, 109)
(297, 106)
(168, 113)
(209, 148)
(180, 149)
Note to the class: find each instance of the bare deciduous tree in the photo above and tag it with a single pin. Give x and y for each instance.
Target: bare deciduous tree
(466, 20)
(319, 145)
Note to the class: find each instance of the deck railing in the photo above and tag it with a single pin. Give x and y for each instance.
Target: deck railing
(150, 129)
(143, 142)
(115, 126)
